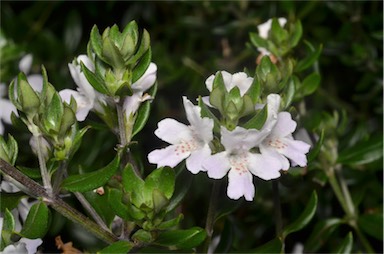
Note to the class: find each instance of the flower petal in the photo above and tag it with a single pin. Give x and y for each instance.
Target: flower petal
(284, 125)
(132, 103)
(26, 63)
(147, 80)
(36, 82)
(7, 108)
(271, 152)
(209, 82)
(240, 138)
(172, 131)
(217, 165)
(240, 184)
(194, 162)
(264, 166)
(167, 156)
(83, 103)
(201, 126)
(86, 61)
(242, 81)
(296, 151)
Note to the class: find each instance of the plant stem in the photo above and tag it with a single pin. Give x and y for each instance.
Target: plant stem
(122, 133)
(363, 240)
(211, 214)
(43, 167)
(57, 203)
(276, 201)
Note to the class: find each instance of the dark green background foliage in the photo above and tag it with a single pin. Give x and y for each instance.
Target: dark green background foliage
(192, 40)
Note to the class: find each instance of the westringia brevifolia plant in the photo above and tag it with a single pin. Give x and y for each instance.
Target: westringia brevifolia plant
(242, 130)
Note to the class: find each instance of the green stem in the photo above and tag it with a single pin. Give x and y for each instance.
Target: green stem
(57, 203)
(122, 133)
(338, 192)
(43, 167)
(276, 201)
(363, 240)
(211, 214)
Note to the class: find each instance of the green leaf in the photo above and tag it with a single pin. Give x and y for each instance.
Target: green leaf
(257, 122)
(96, 81)
(309, 84)
(142, 66)
(10, 200)
(372, 224)
(96, 41)
(98, 202)
(277, 32)
(28, 98)
(112, 54)
(90, 181)
(183, 183)
(134, 185)
(162, 179)
(290, 90)
(53, 114)
(363, 152)
(273, 246)
(117, 247)
(33, 173)
(257, 41)
(316, 150)
(182, 239)
(304, 218)
(143, 112)
(170, 223)
(345, 246)
(143, 48)
(115, 197)
(7, 229)
(322, 230)
(142, 236)
(310, 59)
(206, 112)
(8, 150)
(296, 34)
(37, 223)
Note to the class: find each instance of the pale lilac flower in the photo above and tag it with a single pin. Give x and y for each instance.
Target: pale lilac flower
(132, 103)
(264, 31)
(239, 80)
(241, 162)
(280, 144)
(190, 142)
(86, 97)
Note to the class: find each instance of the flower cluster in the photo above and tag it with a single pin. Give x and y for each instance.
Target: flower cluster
(243, 152)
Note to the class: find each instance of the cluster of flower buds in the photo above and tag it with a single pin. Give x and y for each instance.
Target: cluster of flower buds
(247, 116)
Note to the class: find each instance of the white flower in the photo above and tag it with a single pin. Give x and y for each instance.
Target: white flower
(240, 80)
(264, 31)
(280, 144)
(86, 97)
(187, 142)
(241, 162)
(6, 108)
(132, 103)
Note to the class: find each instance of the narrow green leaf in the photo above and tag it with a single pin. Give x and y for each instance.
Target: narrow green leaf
(304, 218)
(322, 230)
(257, 41)
(10, 200)
(345, 246)
(257, 122)
(28, 98)
(142, 236)
(290, 89)
(96, 81)
(143, 112)
(53, 114)
(310, 84)
(273, 246)
(12, 96)
(277, 33)
(143, 48)
(33, 173)
(162, 179)
(316, 150)
(310, 59)
(363, 152)
(170, 223)
(115, 197)
(296, 34)
(90, 181)
(112, 54)
(37, 223)
(117, 247)
(142, 66)
(98, 202)
(372, 224)
(7, 229)
(134, 185)
(206, 112)
(182, 239)
(96, 41)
